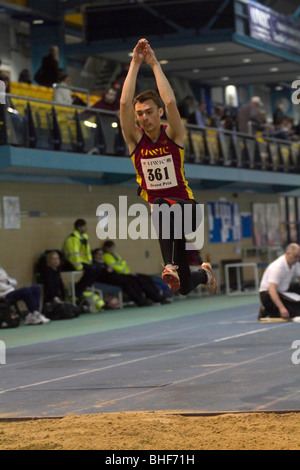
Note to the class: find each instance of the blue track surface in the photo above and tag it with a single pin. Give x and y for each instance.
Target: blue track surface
(219, 359)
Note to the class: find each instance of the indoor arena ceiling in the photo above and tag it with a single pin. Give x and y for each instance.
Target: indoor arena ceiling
(195, 39)
(219, 64)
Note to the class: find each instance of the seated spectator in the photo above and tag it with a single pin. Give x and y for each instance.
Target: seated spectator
(106, 271)
(15, 121)
(54, 289)
(287, 126)
(54, 305)
(217, 118)
(77, 252)
(63, 94)
(276, 285)
(284, 131)
(128, 283)
(25, 77)
(199, 116)
(4, 77)
(229, 119)
(110, 100)
(31, 296)
(186, 107)
(120, 266)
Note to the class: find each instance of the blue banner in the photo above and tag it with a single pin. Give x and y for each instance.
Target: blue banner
(273, 28)
(224, 222)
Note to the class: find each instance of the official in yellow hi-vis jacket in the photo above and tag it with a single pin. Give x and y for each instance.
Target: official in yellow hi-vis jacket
(77, 248)
(145, 283)
(114, 261)
(77, 251)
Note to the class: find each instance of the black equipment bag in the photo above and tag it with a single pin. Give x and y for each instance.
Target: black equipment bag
(9, 314)
(61, 311)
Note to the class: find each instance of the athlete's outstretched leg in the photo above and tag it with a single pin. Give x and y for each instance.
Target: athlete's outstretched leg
(166, 241)
(177, 272)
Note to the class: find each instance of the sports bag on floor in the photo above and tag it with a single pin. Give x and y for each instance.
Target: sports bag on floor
(61, 311)
(9, 315)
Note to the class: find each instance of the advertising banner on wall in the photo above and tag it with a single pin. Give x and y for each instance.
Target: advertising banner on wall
(224, 222)
(274, 28)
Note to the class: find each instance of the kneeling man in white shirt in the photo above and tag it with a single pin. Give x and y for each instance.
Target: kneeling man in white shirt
(280, 297)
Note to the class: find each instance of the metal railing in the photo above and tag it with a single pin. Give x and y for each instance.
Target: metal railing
(36, 123)
(221, 147)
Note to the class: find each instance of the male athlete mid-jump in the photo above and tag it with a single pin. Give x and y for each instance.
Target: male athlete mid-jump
(157, 154)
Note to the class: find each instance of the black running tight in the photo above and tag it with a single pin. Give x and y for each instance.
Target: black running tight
(173, 249)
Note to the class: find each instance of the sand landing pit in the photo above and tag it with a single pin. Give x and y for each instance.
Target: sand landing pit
(157, 430)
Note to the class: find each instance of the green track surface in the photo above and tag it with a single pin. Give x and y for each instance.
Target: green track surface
(127, 317)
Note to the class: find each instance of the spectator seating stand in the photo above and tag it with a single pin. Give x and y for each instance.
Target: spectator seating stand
(79, 130)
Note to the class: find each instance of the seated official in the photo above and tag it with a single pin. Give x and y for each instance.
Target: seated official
(120, 266)
(128, 283)
(54, 289)
(55, 306)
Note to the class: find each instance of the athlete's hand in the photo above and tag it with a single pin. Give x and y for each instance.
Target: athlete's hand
(150, 57)
(139, 52)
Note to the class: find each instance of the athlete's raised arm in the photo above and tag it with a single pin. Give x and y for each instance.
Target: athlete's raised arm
(176, 128)
(131, 131)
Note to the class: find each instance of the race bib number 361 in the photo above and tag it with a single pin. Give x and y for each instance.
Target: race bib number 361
(159, 173)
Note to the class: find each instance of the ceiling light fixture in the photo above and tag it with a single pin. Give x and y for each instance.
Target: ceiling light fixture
(274, 69)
